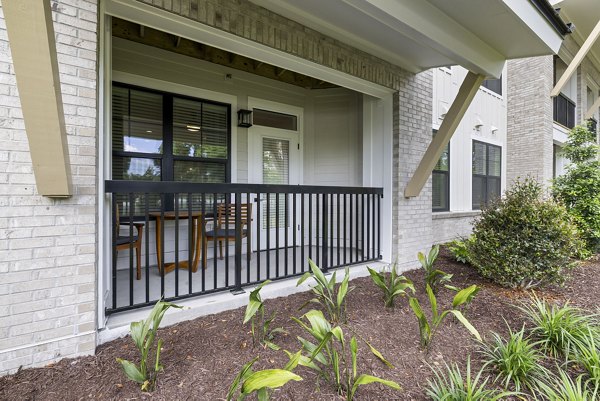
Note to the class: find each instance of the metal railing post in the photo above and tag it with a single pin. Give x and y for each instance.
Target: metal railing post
(238, 245)
(324, 243)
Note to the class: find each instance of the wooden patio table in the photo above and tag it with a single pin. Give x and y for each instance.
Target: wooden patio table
(198, 221)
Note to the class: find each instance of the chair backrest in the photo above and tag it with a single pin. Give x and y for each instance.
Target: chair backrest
(226, 214)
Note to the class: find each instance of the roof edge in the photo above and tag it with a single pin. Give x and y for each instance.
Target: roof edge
(553, 17)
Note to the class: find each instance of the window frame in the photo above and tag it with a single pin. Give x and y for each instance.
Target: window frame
(446, 208)
(486, 177)
(167, 158)
(490, 84)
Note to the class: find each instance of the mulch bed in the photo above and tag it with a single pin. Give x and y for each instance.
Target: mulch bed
(201, 357)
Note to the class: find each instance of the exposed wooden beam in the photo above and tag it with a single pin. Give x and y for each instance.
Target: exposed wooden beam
(31, 37)
(590, 113)
(457, 110)
(583, 51)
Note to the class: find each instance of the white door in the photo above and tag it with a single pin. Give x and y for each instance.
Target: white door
(275, 159)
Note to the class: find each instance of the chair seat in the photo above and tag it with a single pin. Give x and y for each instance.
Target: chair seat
(126, 239)
(221, 232)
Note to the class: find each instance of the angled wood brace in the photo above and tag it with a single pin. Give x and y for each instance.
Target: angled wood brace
(583, 51)
(457, 110)
(33, 49)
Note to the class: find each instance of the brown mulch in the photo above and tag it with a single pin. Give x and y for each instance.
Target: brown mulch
(201, 357)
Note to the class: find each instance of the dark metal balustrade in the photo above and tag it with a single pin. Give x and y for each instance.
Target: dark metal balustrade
(334, 226)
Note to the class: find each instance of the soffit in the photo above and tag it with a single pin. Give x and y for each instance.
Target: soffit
(418, 35)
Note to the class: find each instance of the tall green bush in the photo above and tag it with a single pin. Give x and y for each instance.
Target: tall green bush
(579, 187)
(524, 240)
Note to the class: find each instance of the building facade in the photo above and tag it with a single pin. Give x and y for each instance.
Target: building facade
(126, 114)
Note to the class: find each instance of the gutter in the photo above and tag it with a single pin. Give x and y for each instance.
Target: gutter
(553, 17)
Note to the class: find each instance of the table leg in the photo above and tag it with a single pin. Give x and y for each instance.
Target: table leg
(159, 244)
(197, 243)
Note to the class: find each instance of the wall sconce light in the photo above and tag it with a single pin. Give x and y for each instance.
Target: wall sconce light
(478, 124)
(245, 118)
(493, 129)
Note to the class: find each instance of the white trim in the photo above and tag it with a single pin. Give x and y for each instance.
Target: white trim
(103, 143)
(168, 22)
(258, 103)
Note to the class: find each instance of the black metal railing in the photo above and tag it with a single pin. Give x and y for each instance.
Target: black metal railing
(287, 225)
(564, 111)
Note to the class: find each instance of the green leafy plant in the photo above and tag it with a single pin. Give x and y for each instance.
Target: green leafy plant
(261, 382)
(328, 295)
(459, 249)
(427, 328)
(524, 240)
(556, 327)
(434, 278)
(515, 360)
(143, 334)
(564, 388)
(587, 355)
(333, 357)
(392, 286)
(260, 326)
(450, 385)
(579, 187)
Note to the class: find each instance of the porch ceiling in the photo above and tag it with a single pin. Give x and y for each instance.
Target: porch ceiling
(418, 35)
(148, 36)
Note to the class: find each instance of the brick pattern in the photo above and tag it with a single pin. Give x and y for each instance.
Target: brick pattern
(245, 19)
(447, 226)
(412, 134)
(530, 118)
(48, 246)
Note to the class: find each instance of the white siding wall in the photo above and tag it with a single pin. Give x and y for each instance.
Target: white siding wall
(489, 109)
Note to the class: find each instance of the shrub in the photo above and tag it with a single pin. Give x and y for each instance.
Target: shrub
(427, 328)
(587, 355)
(515, 360)
(556, 328)
(260, 326)
(579, 187)
(392, 286)
(452, 386)
(143, 334)
(459, 249)
(328, 356)
(434, 278)
(523, 240)
(332, 298)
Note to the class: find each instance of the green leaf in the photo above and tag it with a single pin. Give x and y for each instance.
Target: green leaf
(272, 345)
(138, 333)
(343, 290)
(294, 360)
(466, 323)
(464, 295)
(269, 378)
(318, 322)
(310, 348)
(432, 301)
(132, 371)
(262, 394)
(353, 354)
(304, 277)
(304, 361)
(368, 379)
(378, 355)
(242, 374)
(254, 302)
(377, 278)
(433, 254)
(338, 333)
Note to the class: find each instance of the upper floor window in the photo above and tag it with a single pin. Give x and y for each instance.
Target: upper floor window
(495, 85)
(487, 173)
(440, 181)
(563, 104)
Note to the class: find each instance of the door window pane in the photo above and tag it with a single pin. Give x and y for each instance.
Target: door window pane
(275, 120)
(276, 165)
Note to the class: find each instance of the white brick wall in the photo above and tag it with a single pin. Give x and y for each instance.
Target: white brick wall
(48, 246)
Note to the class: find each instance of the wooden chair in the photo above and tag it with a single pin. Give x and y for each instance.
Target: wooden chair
(123, 242)
(220, 232)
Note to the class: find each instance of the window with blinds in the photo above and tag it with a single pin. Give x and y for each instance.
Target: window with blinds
(487, 173)
(440, 181)
(160, 136)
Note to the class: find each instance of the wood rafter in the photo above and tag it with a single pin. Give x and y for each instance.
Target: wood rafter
(162, 40)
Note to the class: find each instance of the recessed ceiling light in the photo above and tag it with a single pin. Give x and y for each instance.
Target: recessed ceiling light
(193, 128)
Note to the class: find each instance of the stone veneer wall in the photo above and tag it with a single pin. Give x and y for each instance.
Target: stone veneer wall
(48, 246)
(447, 226)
